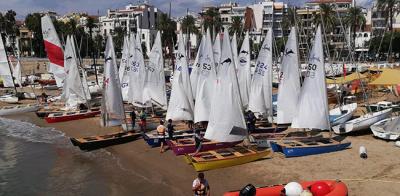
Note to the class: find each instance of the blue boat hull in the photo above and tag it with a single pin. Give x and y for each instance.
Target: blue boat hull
(305, 151)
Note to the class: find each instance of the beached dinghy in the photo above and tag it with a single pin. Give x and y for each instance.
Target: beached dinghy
(46, 111)
(187, 145)
(101, 141)
(69, 116)
(298, 148)
(361, 123)
(342, 114)
(153, 139)
(264, 139)
(9, 99)
(226, 157)
(18, 109)
(387, 129)
(337, 188)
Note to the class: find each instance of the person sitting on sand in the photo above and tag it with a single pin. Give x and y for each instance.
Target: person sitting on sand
(198, 140)
(132, 114)
(161, 129)
(200, 186)
(143, 117)
(170, 129)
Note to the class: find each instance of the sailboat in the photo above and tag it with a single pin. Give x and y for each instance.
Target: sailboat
(74, 92)
(112, 107)
(6, 75)
(226, 122)
(124, 69)
(312, 110)
(54, 50)
(260, 97)
(244, 70)
(196, 68)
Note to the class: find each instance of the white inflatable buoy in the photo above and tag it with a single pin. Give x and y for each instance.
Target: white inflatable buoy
(293, 189)
(397, 144)
(363, 152)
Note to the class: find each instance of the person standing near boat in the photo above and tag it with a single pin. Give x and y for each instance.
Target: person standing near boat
(170, 129)
(143, 117)
(200, 186)
(251, 121)
(198, 140)
(132, 114)
(161, 129)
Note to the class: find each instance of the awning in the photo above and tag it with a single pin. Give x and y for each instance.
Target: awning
(387, 77)
(349, 78)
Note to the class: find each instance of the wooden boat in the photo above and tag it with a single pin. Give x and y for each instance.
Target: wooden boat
(342, 114)
(270, 129)
(187, 145)
(44, 82)
(18, 109)
(226, 157)
(387, 129)
(69, 116)
(45, 112)
(101, 141)
(50, 87)
(264, 139)
(153, 139)
(9, 99)
(297, 148)
(337, 188)
(363, 122)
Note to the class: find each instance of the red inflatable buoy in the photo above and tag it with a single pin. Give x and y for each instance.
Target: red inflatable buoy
(320, 189)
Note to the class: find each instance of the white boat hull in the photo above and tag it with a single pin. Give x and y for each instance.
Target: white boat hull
(379, 131)
(10, 110)
(363, 122)
(349, 109)
(9, 99)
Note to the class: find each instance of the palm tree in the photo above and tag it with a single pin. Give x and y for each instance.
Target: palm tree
(168, 36)
(390, 7)
(90, 24)
(354, 19)
(212, 20)
(328, 17)
(236, 26)
(189, 26)
(289, 19)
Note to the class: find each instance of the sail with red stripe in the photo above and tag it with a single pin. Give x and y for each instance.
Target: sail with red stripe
(54, 50)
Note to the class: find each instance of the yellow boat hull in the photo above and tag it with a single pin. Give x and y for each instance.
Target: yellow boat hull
(216, 164)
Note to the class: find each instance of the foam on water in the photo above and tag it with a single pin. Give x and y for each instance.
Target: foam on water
(30, 132)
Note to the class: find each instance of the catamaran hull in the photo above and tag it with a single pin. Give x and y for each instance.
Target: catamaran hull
(305, 151)
(361, 123)
(71, 117)
(19, 110)
(187, 149)
(380, 132)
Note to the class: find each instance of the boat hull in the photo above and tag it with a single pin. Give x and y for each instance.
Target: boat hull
(64, 118)
(270, 129)
(305, 151)
(206, 146)
(19, 110)
(93, 145)
(380, 132)
(361, 123)
(351, 108)
(266, 142)
(338, 188)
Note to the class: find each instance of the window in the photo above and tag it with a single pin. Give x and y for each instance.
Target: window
(142, 35)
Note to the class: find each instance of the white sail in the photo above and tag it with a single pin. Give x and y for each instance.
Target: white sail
(181, 104)
(234, 50)
(206, 82)
(194, 75)
(5, 72)
(74, 92)
(84, 83)
(112, 104)
(54, 50)
(137, 75)
(312, 107)
(154, 91)
(260, 98)
(67, 63)
(226, 113)
(217, 50)
(289, 86)
(244, 71)
(17, 73)
(124, 68)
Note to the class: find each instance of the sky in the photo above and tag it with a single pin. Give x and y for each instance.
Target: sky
(23, 7)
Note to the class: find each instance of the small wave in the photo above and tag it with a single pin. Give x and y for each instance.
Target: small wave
(29, 131)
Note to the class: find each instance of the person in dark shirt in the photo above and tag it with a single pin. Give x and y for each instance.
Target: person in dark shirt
(132, 114)
(198, 139)
(170, 129)
(251, 121)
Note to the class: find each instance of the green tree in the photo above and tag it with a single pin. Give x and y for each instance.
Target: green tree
(328, 16)
(91, 24)
(236, 26)
(389, 8)
(118, 37)
(354, 19)
(167, 28)
(212, 20)
(33, 23)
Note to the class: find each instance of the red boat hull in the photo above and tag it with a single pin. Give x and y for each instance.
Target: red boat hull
(337, 189)
(179, 149)
(64, 118)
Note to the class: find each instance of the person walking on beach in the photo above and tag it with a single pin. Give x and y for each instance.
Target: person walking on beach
(170, 129)
(161, 129)
(251, 121)
(198, 140)
(200, 186)
(143, 117)
(132, 114)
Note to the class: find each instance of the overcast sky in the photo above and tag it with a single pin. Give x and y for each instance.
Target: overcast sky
(23, 7)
